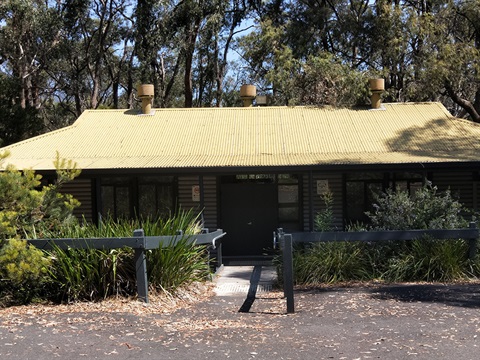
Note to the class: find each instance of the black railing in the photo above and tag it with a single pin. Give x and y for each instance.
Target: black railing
(140, 243)
(286, 243)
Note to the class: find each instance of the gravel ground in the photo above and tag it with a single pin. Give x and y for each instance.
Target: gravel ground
(409, 321)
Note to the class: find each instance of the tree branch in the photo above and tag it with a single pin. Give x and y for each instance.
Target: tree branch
(465, 104)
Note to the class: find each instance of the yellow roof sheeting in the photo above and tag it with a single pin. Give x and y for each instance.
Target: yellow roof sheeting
(254, 137)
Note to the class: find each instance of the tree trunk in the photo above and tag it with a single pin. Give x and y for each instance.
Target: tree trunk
(465, 104)
(191, 39)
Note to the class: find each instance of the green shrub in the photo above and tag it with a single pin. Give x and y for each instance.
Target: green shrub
(328, 262)
(23, 270)
(91, 274)
(324, 219)
(421, 259)
(178, 265)
(418, 260)
(25, 210)
(425, 209)
(428, 259)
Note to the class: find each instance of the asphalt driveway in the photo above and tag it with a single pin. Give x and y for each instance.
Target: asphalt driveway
(407, 321)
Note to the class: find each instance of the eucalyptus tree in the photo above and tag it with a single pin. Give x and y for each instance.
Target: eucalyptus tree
(215, 42)
(88, 64)
(296, 54)
(458, 60)
(30, 32)
(186, 39)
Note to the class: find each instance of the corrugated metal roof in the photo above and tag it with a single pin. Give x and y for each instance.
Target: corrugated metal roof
(253, 137)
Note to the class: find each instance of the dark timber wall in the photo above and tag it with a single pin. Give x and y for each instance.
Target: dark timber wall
(185, 184)
(461, 184)
(81, 189)
(335, 186)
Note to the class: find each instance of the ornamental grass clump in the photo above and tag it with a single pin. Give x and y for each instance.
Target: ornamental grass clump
(177, 265)
(330, 263)
(92, 274)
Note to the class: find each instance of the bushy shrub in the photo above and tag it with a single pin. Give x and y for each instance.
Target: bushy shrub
(22, 270)
(422, 259)
(425, 209)
(26, 210)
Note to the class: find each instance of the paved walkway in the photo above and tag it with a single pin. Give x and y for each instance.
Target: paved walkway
(237, 280)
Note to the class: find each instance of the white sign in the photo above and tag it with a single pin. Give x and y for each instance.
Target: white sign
(196, 193)
(322, 187)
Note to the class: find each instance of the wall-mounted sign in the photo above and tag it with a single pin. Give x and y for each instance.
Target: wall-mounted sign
(196, 193)
(322, 187)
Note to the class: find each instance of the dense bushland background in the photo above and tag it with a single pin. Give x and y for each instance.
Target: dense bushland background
(58, 58)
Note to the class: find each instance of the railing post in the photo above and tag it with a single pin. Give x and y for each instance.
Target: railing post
(472, 243)
(141, 266)
(219, 255)
(288, 272)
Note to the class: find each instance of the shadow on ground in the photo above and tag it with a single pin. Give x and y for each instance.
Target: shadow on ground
(464, 295)
(461, 295)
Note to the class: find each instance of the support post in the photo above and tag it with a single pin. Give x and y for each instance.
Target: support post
(472, 243)
(141, 266)
(311, 217)
(288, 272)
(219, 255)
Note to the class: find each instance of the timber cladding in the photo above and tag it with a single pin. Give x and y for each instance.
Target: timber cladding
(81, 189)
(210, 206)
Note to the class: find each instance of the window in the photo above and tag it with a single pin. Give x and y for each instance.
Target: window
(115, 193)
(288, 202)
(361, 190)
(154, 196)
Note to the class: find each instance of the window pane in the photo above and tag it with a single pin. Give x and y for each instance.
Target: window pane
(122, 202)
(115, 180)
(164, 200)
(155, 179)
(408, 175)
(258, 178)
(355, 201)
(414, 187)
(147, 201)
(288, 213)
(108, 203)
(365, 176)
(288, 194)
(287, 179)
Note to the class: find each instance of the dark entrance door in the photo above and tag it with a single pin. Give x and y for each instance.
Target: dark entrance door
(249, 216)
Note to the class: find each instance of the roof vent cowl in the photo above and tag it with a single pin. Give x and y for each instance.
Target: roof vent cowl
(145, 92)
(248, 94)
(377, 87)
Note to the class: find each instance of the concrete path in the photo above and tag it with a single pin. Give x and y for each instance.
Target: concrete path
(245, 280)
